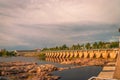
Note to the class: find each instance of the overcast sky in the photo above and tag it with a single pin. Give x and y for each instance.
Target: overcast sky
(30, 24)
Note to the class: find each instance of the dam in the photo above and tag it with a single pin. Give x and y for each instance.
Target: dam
(101, 53)
(109, 72)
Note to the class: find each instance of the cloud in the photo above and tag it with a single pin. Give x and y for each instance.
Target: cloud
(62, 11)
(45, 23)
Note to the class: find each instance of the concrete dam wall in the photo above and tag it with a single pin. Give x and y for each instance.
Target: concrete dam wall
(105, 54)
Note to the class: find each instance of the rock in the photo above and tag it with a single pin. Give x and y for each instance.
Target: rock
(23, 71)
(23, 76)
(56, 77)
(52, 77)
(32, 71)
(61, 69)
(3, 78)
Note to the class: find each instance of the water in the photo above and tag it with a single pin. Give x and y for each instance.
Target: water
(31, 59)
(82, 73)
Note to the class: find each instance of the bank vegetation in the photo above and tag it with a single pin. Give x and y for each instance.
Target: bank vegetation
(5, 53)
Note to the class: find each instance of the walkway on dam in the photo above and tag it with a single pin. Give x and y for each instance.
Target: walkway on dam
(111, 70)
(108, 71)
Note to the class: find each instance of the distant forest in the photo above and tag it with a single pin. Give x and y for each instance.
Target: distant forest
(87, 46)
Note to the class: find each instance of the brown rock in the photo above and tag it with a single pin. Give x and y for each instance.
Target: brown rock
(3, 78)
(22, 71)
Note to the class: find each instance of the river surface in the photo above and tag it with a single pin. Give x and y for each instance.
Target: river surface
(82, 73)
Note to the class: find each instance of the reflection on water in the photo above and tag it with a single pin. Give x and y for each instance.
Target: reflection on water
(58, 60)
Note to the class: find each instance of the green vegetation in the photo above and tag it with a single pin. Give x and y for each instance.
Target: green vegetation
(95, 45)
(42, 56)
(4, 52)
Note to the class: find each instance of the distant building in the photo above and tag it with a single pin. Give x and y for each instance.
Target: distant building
(2, 50)
(38, 50)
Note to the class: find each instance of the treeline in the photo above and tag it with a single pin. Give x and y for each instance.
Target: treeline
(95, 45)
(4, 52)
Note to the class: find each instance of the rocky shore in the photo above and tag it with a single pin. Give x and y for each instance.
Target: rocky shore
(26, 71)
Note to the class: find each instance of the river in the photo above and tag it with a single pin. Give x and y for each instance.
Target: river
(83, 73)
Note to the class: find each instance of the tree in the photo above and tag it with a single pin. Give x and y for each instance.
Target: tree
(88, 46)
(44, 49)
(73, 47)
(56, 48)
(64, 47)
(4, 52)
(77, 47)
(114, 45)
(82, 46)
(100, 45)
(95, 45)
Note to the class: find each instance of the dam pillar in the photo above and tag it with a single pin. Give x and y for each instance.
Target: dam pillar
(113, 54)
(86, 54)
(76, 54)
(71, 54)
(104, 54)
(60, 56)
(91, 54)
(64, 54)
(80, 54)
(67, 54)
(97, 54)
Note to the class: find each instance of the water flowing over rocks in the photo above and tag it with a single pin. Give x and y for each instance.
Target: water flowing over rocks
(26, 71)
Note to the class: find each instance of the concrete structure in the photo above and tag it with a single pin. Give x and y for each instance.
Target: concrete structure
(108, 71)
(117, 70)
(103, 53)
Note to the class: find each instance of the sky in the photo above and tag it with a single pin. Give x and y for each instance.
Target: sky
(30, 24)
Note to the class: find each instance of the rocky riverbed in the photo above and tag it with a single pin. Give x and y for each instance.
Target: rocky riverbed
(26, 71)
(32, 71)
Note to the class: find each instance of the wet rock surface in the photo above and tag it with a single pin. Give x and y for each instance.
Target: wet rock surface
(26, 71)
